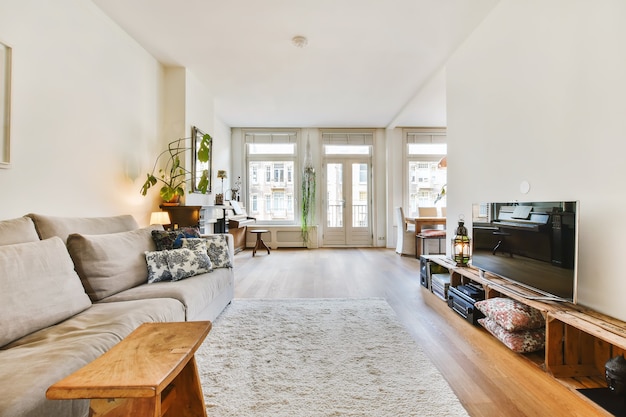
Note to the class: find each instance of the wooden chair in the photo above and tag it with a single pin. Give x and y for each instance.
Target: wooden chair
(427, 211)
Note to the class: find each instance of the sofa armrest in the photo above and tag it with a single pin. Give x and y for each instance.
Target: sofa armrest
(231, 248)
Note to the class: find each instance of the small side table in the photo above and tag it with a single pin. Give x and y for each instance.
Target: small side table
(259, 242)
(149, 372)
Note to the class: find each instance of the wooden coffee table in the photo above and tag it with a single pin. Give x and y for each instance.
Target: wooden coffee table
(152, 372)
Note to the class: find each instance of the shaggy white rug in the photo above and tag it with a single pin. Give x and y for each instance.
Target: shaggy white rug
(318, 357)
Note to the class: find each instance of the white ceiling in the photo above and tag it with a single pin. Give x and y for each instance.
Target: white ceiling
(368, 63)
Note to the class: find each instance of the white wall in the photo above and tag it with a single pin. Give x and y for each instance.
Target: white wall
(91, 110)
(538, 93)
(84, 108)
(200, 112)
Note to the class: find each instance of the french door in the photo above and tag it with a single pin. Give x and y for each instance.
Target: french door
(347, 215)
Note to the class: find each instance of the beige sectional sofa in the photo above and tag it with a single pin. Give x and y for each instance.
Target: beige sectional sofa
(71, 288)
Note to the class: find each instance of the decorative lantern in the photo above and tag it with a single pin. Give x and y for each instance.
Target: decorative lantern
(461, 245)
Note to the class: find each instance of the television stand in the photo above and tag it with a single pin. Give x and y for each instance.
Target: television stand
(579, 341)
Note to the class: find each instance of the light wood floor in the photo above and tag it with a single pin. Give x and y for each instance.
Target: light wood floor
(489, 379)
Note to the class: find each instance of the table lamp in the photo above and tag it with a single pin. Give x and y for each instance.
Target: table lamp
(219, 198)
(160, 217)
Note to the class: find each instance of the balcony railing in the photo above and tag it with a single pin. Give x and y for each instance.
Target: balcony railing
(334, 215)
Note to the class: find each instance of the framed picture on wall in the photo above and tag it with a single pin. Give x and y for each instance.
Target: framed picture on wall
(197, 166)
(5, 106)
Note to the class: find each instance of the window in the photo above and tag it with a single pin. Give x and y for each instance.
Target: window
(426, 177)
(279, 172)
(254, 174)
(254, 203)
(268, 203)
(274, 154)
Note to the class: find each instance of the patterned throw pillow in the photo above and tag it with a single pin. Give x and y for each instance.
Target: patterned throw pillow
(176, 264)
(217, 249)
(157, 267)
(510, 314)
(184, 263)
(522, 341)
(172, 239)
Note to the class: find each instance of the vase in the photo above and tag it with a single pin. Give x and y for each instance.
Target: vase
(174, 201)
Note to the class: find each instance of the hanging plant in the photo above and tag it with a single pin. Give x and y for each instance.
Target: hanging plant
(308, 201)
(308, 195)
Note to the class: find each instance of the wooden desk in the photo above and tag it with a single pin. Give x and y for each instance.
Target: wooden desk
(151, 371)
(419, 222)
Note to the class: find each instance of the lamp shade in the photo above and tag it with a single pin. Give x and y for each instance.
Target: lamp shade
(160, 217)
(221, 174)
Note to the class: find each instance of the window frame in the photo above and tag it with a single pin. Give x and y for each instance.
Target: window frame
(290, 164)
(430, 136)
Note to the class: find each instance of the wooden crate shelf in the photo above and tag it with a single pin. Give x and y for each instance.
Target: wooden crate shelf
(579, 341)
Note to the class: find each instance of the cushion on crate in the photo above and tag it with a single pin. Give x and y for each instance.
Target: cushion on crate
(510, 314)
(426, 233)
(523, 341)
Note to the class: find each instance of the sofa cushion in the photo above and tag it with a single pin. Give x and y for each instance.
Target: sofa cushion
(217, 249)
(20, 230)
(39, 287)
(110, 263)
(196, 292)
(184, 263)
(172, 239)
(157, 266)
(31, 364)
(48, 226)
(176, 264)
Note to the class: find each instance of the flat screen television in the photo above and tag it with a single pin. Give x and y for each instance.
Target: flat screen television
(533, 244)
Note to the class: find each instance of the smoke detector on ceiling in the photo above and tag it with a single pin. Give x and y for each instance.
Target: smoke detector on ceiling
(299, 41)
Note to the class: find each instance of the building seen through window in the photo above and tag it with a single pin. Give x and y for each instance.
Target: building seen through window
(271, 186)
(426, 178)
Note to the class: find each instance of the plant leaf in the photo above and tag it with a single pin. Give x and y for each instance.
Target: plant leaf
(203, 184)
(150, 181)
(204, 151)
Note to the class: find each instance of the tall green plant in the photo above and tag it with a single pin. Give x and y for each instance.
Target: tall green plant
(308, 201)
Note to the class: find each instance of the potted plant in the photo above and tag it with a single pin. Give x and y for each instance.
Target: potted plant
(173, 175)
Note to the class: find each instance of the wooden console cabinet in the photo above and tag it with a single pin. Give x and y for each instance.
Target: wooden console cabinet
(183, 216)
(579, 341)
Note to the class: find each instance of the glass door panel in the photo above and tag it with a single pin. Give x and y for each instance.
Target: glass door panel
(347, 205)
